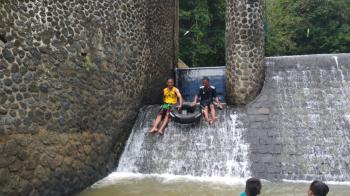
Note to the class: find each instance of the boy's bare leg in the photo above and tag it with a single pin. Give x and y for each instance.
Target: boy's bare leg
(206, 114)
(156, 123)
(164, 124)
(213, 114)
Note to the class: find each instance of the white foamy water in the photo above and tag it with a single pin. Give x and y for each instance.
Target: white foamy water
(122, 184)
(117, 177)
(312, 98)
(198, 150)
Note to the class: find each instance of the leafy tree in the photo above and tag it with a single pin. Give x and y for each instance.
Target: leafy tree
(292, 27)
(308, 26)
(204, 45)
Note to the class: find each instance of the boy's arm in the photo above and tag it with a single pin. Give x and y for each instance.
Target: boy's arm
(179, 96)
(216, 96)
(195, 100)
(217, 99)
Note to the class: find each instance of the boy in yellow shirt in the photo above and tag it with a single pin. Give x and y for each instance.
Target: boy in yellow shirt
(170, 96)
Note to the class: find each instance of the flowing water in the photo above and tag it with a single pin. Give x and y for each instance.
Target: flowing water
(190, 160)
(126, 184)
(297, 129)
(196, 149)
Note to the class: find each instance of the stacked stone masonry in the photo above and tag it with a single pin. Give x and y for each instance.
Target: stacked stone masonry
(244, 50)
(72, 77)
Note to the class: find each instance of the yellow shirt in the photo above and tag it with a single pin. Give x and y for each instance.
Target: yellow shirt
(170, 96)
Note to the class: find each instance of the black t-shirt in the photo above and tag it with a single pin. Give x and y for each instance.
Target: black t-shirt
(207, 94)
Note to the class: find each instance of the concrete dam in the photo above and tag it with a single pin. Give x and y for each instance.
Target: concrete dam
(298, 128)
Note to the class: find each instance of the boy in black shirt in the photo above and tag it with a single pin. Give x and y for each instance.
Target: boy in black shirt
(207, 94)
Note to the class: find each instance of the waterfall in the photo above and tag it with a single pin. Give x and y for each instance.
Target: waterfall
(298, 128)
(311, 115)
(197, 150)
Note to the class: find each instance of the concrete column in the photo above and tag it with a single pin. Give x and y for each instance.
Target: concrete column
(244, 50)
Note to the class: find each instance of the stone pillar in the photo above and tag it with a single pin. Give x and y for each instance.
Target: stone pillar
(72, 78)
(244, 50)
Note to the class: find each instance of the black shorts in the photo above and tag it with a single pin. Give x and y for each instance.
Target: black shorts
(205, 103)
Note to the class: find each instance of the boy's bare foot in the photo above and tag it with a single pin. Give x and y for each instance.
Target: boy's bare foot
(213, 121)
(160, 132)
(153, 130)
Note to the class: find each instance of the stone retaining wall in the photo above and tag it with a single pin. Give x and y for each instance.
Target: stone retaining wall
(72, 77)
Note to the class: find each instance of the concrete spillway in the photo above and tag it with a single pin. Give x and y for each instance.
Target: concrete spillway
(197, 150)
(299, 126)
(298, 129)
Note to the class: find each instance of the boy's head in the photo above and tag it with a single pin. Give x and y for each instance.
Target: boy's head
(253, 187)
(318, 188)
(170, 82)
(205, 81)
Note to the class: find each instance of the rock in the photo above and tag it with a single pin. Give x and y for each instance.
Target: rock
(21, 54)
(14, 88)
(7, 54)
(11, 148)
(30, 164)
(14, 68)
(19, 97)
(16, 166)
(49, 139)
(44, 88)
(3, 65)
(22, 88)
(53, 163)
(33, 87)
(3, 98)
(87, 149)
(14, 106)
(3, 111)
(8, 82)
(6, 161)
(11, 98)
(23, 155)
(17, 78)
(8, 90)
(4, 176)
(68, 161)
(24, 141)
(23, 70)
(35, 53)
(42, 173)
(24, 187)
(28, 77)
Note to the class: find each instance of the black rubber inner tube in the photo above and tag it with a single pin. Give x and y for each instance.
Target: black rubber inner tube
(187, 114)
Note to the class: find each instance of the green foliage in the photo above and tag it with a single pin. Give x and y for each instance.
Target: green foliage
(204, 45)
(88, 65)
(293, 27)
(307, 27)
